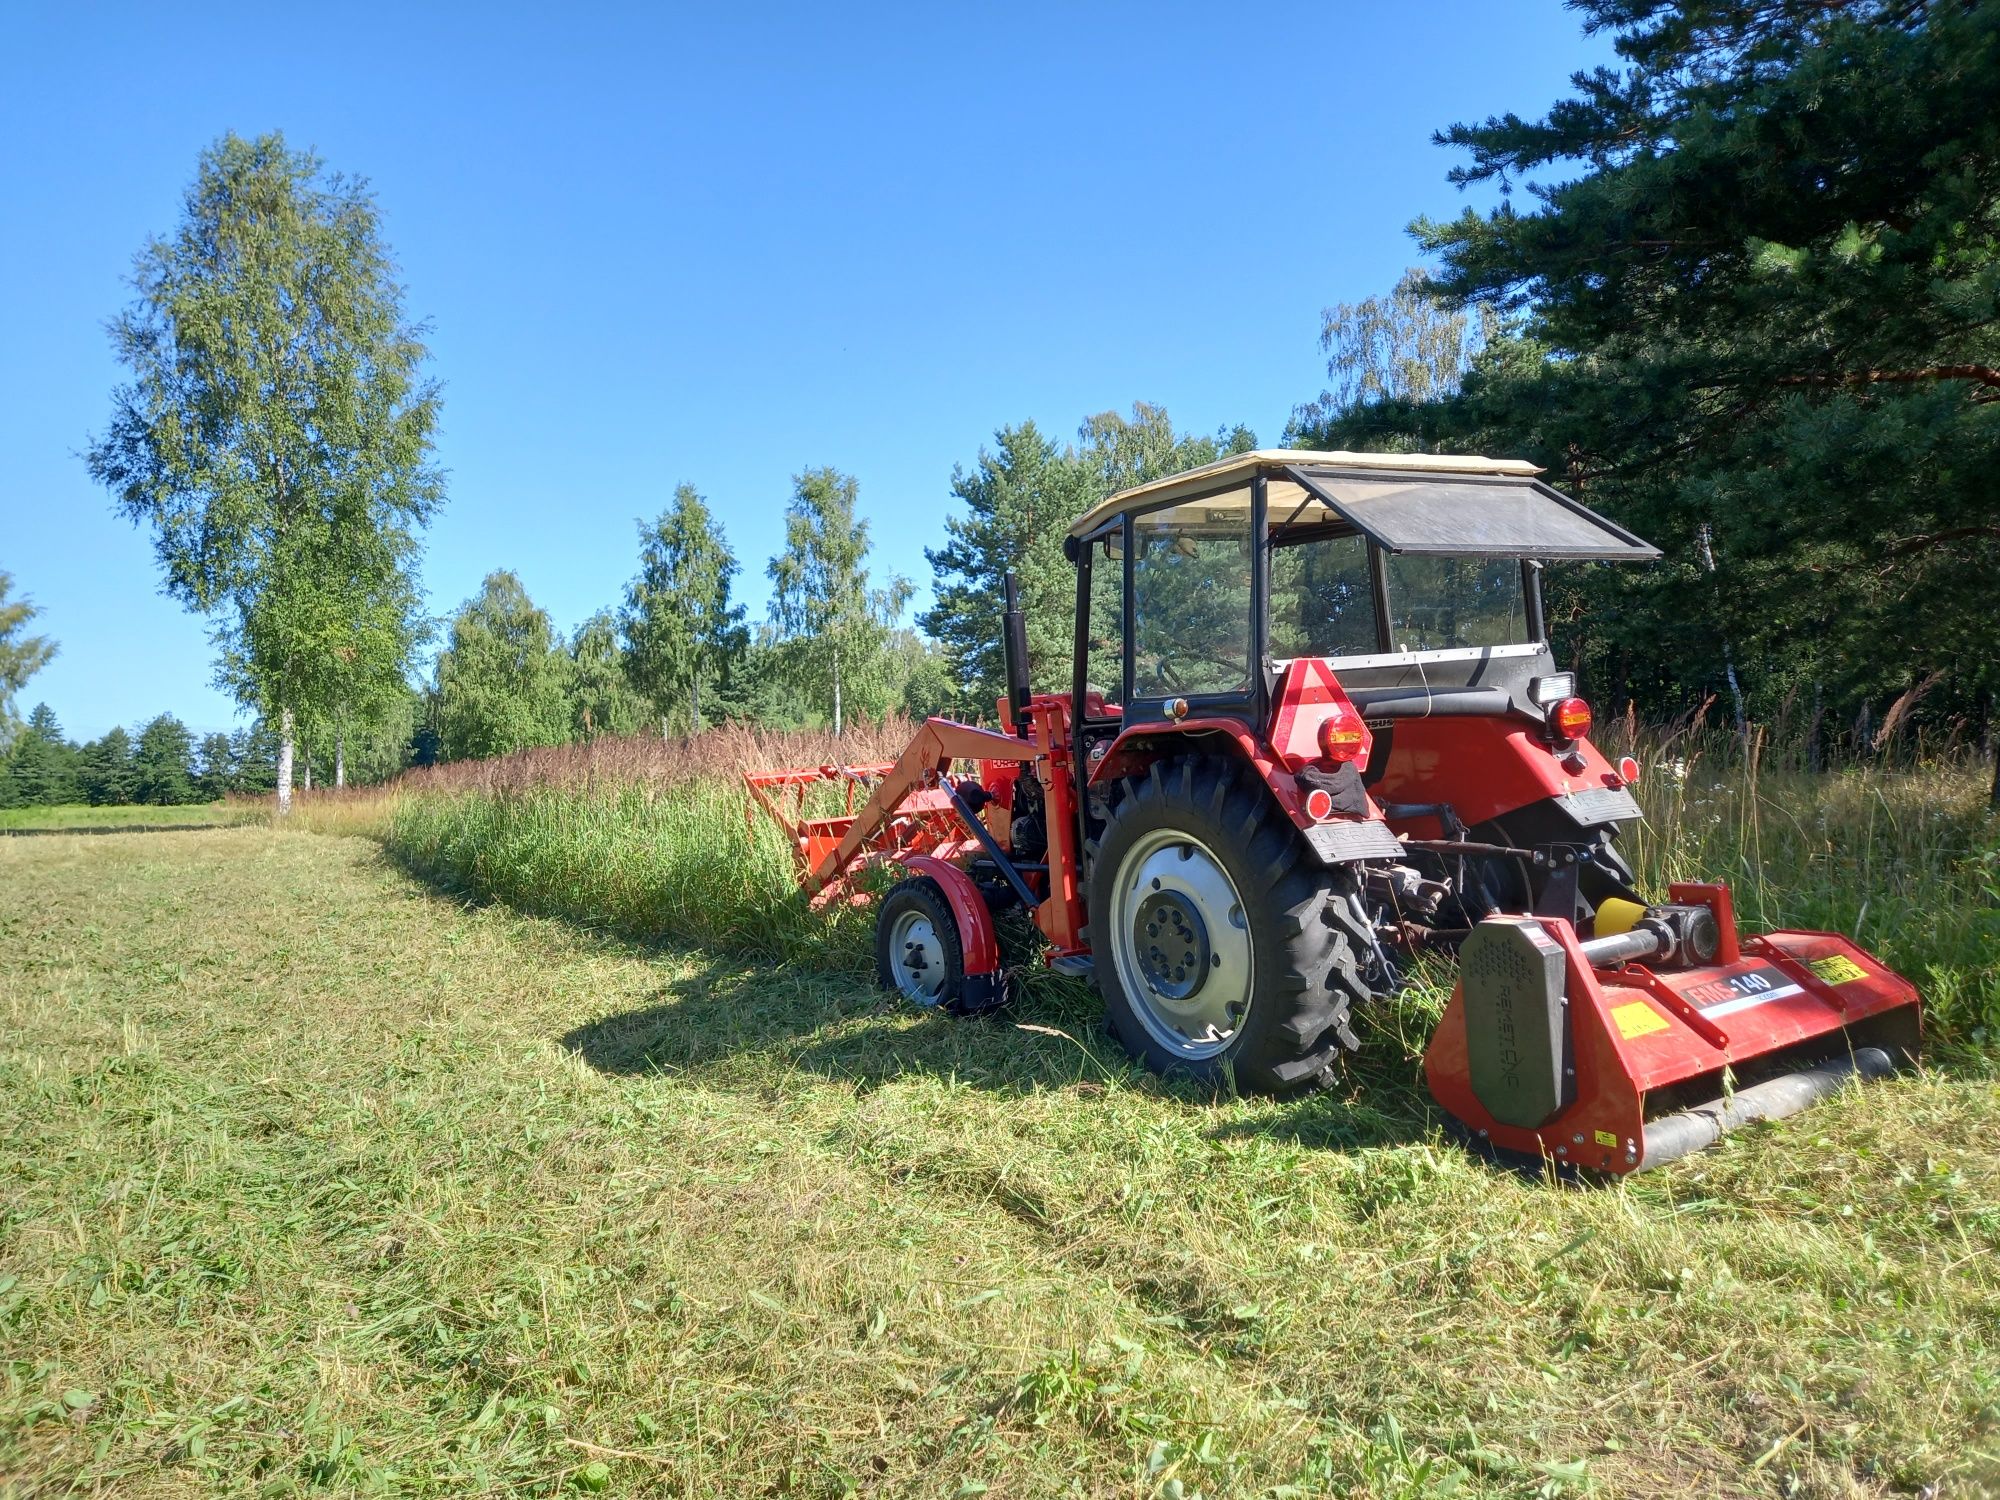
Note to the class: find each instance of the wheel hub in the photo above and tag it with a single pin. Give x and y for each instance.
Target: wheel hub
(1171, 942)
(1181, 943)
(916, 958)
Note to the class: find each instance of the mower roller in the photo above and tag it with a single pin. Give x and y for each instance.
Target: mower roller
(1313, 725)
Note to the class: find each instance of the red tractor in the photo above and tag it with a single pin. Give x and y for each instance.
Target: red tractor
(1314, 724)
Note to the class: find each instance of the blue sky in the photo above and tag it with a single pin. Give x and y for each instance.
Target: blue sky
(725, 244)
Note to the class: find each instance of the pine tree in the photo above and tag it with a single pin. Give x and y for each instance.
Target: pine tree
(680, 628)
(1763, 316)
(1019, 503)
(105, 772)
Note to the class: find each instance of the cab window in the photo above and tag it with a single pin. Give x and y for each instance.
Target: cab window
(1191, 570)
(1104, 671)
(1437, 603)
(1322, 599)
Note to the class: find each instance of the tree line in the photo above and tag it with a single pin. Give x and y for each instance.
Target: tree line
(676, 653)
(163, 765)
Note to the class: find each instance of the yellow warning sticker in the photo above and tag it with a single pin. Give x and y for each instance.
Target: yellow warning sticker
(1637, 1019)
(1838, 969)
(1605, 1138)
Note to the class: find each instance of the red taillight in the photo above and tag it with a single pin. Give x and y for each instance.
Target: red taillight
(1571, 719)
(1341, 737)
(1628, 771)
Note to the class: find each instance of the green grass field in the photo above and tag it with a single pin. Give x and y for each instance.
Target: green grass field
(80, 816)
(317, 1180)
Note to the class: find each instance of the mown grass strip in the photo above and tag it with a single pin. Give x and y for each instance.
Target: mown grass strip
(321, 1183)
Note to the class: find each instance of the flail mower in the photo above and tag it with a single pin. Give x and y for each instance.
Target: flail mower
(1314, 725)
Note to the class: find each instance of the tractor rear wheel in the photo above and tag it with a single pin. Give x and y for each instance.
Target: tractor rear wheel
(1221, 945)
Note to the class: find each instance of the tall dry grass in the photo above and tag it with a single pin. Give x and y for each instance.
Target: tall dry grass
(650, 761)
(651, 839)
(645, 838)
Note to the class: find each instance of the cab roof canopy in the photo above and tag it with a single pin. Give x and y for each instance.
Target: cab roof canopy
(1449, 504)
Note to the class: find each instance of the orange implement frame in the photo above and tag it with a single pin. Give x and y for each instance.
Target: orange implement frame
(907, 812)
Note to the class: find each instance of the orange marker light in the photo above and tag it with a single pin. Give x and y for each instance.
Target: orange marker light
(1341, 736)
(1572, 719)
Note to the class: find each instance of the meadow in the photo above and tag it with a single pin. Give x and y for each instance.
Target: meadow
(83, 818)
(522, 1133)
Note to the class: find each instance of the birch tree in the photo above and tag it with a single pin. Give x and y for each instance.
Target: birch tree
(21, 655)
(832, 627)
(276, 434)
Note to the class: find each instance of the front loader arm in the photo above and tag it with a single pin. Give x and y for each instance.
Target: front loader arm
(931, 750)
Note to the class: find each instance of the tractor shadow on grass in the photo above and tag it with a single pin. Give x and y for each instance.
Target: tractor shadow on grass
(729, 1021)
(734, 1026)
(726, 1021)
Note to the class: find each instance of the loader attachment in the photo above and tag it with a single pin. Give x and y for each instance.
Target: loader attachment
(1631, 1050)
(910, 810)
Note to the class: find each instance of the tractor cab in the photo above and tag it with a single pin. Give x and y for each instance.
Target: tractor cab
(1414, 580)
(1417, 575)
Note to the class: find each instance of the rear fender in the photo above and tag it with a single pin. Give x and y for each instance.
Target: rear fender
(1488, 768)
(1336, 840)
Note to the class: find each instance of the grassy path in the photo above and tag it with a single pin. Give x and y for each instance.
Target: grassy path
(80, 818)
(312, 1180)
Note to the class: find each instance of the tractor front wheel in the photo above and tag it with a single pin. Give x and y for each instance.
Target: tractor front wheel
(918, 951)
(1222, 946)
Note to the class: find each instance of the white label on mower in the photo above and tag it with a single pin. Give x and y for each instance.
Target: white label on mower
(1725, 997)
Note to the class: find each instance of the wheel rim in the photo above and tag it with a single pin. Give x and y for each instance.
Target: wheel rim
(916, 957)
(1180, 940)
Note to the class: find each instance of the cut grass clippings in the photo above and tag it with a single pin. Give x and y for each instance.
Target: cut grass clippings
(318, 1182)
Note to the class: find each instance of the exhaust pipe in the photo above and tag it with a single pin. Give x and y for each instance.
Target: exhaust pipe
(1014, 643)
(1671, 1137)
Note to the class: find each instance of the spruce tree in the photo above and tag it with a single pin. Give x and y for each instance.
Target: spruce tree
(104, 770)
(213, 768)
(163, 764)
(41, 768)
(680, 629)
